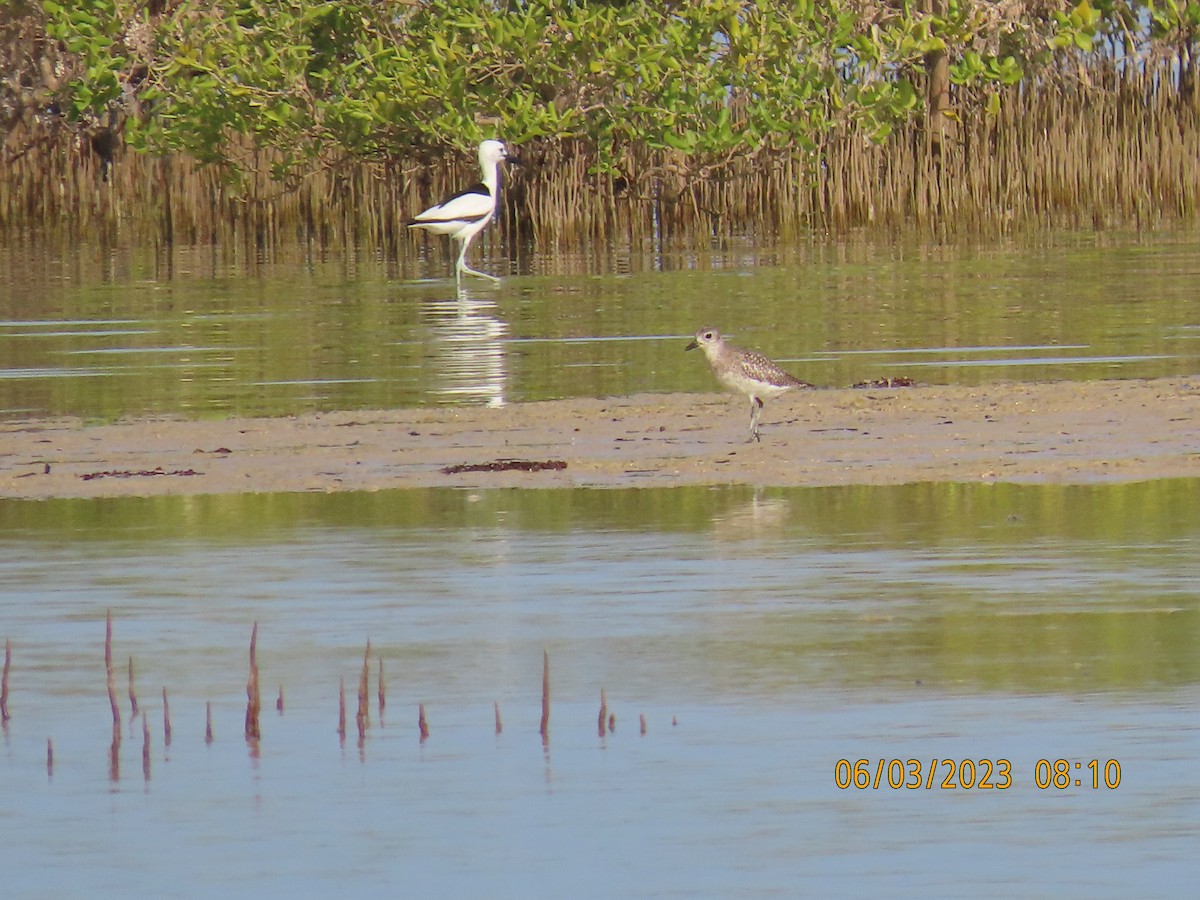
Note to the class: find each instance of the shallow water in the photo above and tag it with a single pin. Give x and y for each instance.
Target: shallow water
(105, 332)
(764, 635)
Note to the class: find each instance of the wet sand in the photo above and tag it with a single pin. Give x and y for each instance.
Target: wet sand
(1067, 432)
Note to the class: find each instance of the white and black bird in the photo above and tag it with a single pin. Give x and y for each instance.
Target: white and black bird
(744, 371)
(466, 213)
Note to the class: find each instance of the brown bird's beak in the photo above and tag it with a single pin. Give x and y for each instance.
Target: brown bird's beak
(692, 346)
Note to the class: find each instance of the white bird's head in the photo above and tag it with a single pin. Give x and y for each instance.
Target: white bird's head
(493, 152)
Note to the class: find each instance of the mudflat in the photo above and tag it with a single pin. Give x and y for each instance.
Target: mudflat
(1069, 432)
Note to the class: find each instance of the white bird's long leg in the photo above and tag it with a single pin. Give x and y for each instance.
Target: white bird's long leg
(467, 270)
(461, 268)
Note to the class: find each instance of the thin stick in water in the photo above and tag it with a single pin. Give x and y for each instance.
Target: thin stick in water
(422, 724)
(50, 757)
(133, 704)
(145, 749)
(642, 718)
(108, 669)
(603, 713)
(253, 699)
(499, 724)
(166, 720)
(341, 729)
(279, 701)
(4, 717)
(382, 694)
(208, 738)
(363, 717)
(114, 756)
(545, 726)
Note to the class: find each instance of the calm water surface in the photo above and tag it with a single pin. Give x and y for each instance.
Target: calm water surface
(103, 332)
(763, 635)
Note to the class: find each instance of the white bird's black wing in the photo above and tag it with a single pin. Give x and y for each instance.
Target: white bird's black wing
(471, 205)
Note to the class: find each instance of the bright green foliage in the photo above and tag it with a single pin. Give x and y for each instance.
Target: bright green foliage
(91, 32)
(320, 83)
(1076, 26)
(1176, 21)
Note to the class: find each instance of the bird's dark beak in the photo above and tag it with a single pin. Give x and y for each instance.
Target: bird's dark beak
(692, 346)
(514, 160)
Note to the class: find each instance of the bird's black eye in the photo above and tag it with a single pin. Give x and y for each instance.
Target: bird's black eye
(708, 335)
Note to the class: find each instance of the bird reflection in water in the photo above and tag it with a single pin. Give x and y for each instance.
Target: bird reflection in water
(466, 348)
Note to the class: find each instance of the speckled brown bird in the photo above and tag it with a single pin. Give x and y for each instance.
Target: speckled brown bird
(746, 372)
